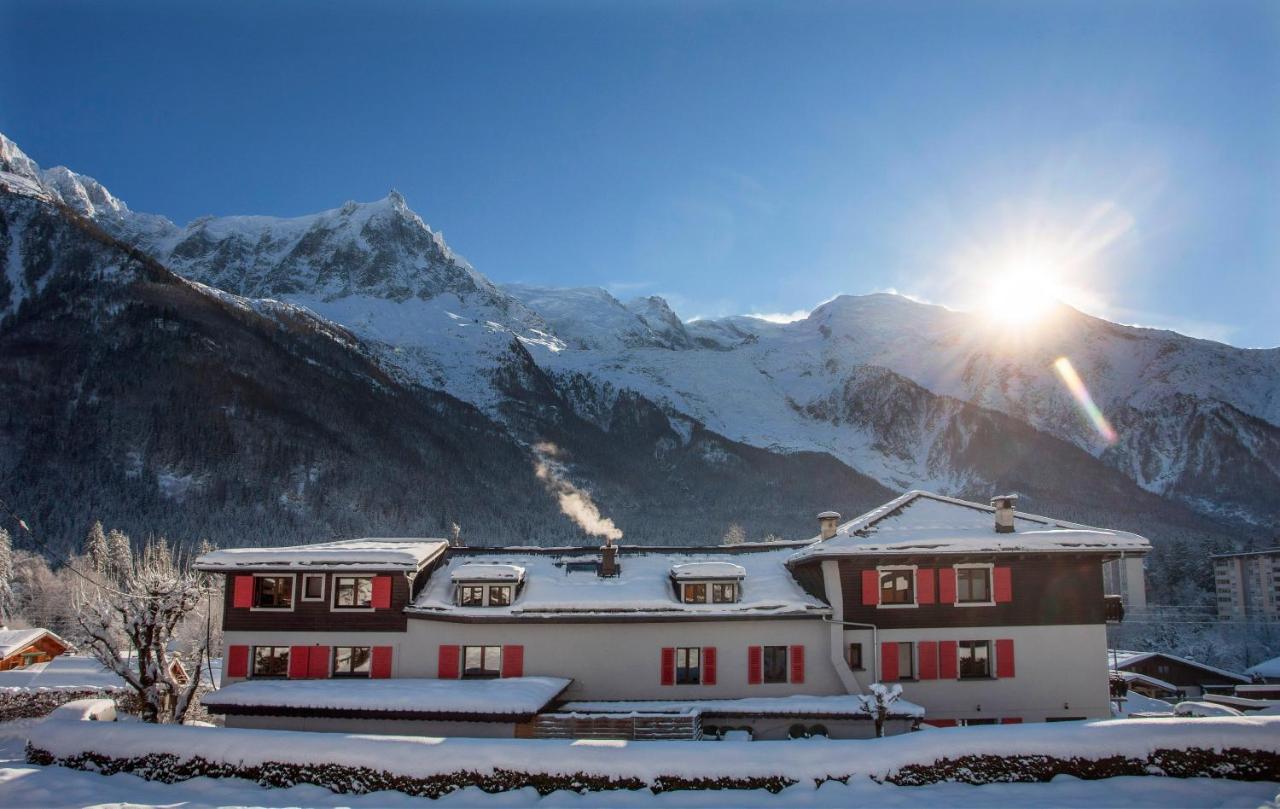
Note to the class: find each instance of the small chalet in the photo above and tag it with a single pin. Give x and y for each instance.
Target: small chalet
(1191, 679)
(20, 648)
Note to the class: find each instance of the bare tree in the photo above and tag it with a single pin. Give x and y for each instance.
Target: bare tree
(735, 535)
(142, 610)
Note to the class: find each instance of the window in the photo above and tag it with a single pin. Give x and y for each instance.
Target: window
(906, 661)
(968, 723)
(353, 592)
(775, 664)
(688, 665)
(313, 587)
(481, 661)
(897, 587)
(471, 595)
(273, 592)
(695, 593)
(500, 595)
(351, 661)
(855, 656)
(973, 585)
(975, 659)
(725, 593)
(270, 661)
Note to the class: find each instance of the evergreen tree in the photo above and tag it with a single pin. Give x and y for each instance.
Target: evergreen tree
(95, 548)
(6, 577)
(119, 554)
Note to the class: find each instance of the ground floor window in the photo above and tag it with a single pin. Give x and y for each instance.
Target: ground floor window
(481, 661)
(906, 661)
(688, 665)
(270, 661)
(975, 659)
(352, 661)
(855, 656)
(775, 664)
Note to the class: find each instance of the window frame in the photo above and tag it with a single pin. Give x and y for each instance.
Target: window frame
(961, 645)
(688, 653)
(915, 586)
(764, 665)
(484, 672)
(911, 671)
(991, 584)
(333, 664)
(324, 587)
(735, 589)
(337, 591)
(686, 586)
(489, 591)
(462, 595)
(253, 662)
(257, 590)
(858, 664)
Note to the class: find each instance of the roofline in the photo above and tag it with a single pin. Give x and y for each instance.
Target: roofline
(674, 616)
(819, 555)
(1244, 553)
(40, 633)
(364, 567)
(565, 550)
(1139, 657)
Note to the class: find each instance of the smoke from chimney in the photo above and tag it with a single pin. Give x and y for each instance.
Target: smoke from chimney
(575, 503)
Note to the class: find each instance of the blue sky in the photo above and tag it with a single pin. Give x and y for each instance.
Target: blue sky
(734, 157)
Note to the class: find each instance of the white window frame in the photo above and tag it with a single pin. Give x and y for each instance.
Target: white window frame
(253, 660)
(991, 584)
(293, 602)
(915, 586)
(684, 599)
(735, 584)
(323, 586)
(486, 588)
(333, 607)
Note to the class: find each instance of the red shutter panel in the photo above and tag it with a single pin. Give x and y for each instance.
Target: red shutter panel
(447, 665)
(242, 594)
(708, 665)
(382, 592)
(1003, 585)
(318, 665)
(513, 661)
(870, 588)
(1004, 658)
(947, 585)
(941, 723)
(947, 660)
(1011, 720)
(668, 665)
(924, 586)
(237, 661)
(797, 664)
(888, 662)
(928, 659)
(755, 665)
(299, 661)
(381, 668)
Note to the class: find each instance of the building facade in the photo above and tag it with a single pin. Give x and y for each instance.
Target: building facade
(1248, 585)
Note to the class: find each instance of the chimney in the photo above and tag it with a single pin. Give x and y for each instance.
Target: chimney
(827, 522)
(1004, 505)
(608, 560)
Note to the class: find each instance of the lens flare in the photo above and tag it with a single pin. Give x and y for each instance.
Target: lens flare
(1076, 385)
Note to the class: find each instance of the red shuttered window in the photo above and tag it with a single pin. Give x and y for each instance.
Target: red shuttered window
(797, 664)
(888, 662)
(1003, 585)
(924, 586)
(447, 664)
(708, 665)
(242, 593)
(237, 661)
(318, 663)
(928, 659)
(382, 592)
(668, 663)
(513, 661)
(870, 588)
(755, 665)
(1004, 657)
(947, 668)
(381, 668)
(299, 661)
(947, 585)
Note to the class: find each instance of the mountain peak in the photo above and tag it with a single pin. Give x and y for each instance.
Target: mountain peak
(15, 161)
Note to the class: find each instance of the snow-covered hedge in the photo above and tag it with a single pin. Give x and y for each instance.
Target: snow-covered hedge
(1245, 748)
(23, 704)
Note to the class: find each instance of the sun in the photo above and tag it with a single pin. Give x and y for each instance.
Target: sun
(1022, 292)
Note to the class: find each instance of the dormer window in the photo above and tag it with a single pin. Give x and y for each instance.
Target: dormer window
(724, 592)
(708, 582)
(695, 593)
(486, 585)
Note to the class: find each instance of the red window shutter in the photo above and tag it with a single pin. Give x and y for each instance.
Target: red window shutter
(1011, 720)
(668, 676)
(708, 665)
(237, 661)
(1004, 657)
(888, 662)
(947, 585)
(947, 660)
(797, 664)
(924, 586)
(1003, 585)
(941, 723)
(870, 588)
(447, 666)
(381, 668)
(928, 659)
(242, 594)
(513, 661)
(318, 667)
(299, 661)
(382, 592)
(755, 665)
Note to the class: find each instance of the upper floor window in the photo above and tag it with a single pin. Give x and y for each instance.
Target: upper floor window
(273, 592)
(352, 661)
(975, 659)
(775, 664)
(724, 592)
(485, 595)
(471, 595)
(481, 661)
(499, 595)
(973, 585)
(720, 592)
(313, 587)
(695, 593)
(353, 591)
(897, 587)
(688, 665)
(270, 661)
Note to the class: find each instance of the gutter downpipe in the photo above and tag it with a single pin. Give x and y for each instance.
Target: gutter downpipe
(835, 594)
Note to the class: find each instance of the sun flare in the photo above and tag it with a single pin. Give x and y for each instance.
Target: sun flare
(1022, 292)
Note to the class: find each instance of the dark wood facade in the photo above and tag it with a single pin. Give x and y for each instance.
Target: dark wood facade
(319, 616)
(41, 650)
(1180, 673)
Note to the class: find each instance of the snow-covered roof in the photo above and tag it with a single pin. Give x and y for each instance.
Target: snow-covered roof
(1139, 677)
(554, 586)
(1267, 668)
(794, 705)
(1123, 659)
(13, 640)
(923, 522)
(707, 570)
(421, 697)
(475, 571)
(64, 672)
(372, 553)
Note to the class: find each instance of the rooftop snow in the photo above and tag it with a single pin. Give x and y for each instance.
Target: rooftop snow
(474, 571)
(708, 570)
(922, 522)
(346, 554)
(795, 705)
(11, 640)
(642, 587)
(1123, 659)
(1267, 668)
(516, 696)
(64, 672)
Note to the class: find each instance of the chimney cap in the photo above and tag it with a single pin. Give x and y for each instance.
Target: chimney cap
(1012, 498)
(829, 515)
